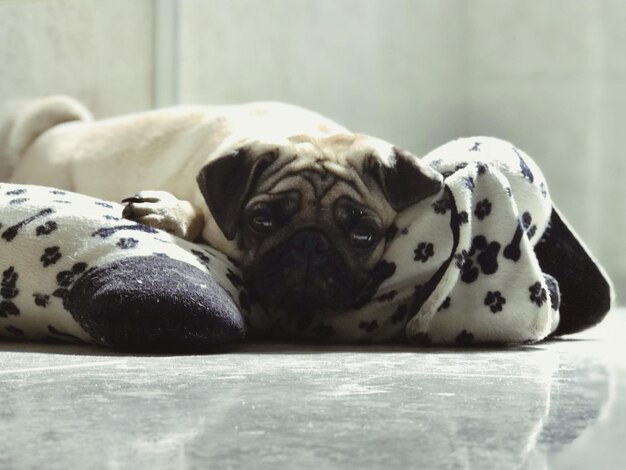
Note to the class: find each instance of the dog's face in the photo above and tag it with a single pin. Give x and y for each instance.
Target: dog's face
(308, 217)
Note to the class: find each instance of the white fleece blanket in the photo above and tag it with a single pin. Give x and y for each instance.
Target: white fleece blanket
(462, 267)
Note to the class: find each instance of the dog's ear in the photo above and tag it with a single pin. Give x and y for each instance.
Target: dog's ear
(404, 179)
(226, 182)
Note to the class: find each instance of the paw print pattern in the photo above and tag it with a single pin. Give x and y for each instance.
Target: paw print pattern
(476, 147)
(127, 243)
(8, 291)
(483, 209)
(483, 256)
(368, 326)
(19, 200)
(15, 192)
(202, 257)
(66, 278)
(494, 300)
(424, 252)
(442, 206)
(50, 256)
(538, 294)
(461, 258)
(47, 228)
(41, 300)
(444, 305)
(462, 218)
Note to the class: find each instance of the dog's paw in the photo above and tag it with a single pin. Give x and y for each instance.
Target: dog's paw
(162, 210)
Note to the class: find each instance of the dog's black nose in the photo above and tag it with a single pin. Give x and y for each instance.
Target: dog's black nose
(309, 243)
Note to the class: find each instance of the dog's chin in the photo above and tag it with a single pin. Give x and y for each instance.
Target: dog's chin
(279, 282)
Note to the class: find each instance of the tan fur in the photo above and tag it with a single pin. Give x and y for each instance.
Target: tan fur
(163, 150)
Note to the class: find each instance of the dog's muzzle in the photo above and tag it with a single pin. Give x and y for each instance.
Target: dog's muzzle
(306, 272)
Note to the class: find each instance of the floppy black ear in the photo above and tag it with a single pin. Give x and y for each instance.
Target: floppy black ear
(406, 181)
(226, 182)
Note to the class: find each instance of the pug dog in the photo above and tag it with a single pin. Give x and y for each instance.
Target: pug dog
(302, 204)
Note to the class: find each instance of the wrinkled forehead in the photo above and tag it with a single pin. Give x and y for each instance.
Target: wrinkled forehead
(322, 170)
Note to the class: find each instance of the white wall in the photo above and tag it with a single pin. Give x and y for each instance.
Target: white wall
(389, 68)
(98, 51)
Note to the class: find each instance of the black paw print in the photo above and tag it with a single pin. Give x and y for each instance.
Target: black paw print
(19, 200)
(58, 192)
(50, 256)
(464, 338)
(104, 204)
(462, 218)
(15, 192)
(461, 258)
(66, 278)
(442, 206)
(495, 301)
(8, 291)
(41, 300)
(8, 308)
(368, 326)
(482, 168)
(202, 257)
(9, 283)
(483, 209)
(47, 228)
(486, 257)
(538, 294)
(476, 147)
(127, 243)
(444, 305)
(469, 183)
(424, 252)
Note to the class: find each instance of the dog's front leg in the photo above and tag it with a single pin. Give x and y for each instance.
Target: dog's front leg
(162, 210)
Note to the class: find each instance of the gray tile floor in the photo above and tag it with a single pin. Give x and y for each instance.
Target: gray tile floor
(558, 405)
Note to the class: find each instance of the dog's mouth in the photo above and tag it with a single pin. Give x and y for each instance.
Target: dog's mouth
(303, 274)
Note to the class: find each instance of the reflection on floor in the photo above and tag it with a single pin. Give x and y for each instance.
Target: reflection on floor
(560, 404)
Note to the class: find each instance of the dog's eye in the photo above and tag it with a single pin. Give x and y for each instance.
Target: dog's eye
(363, 236)
(261, 220)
